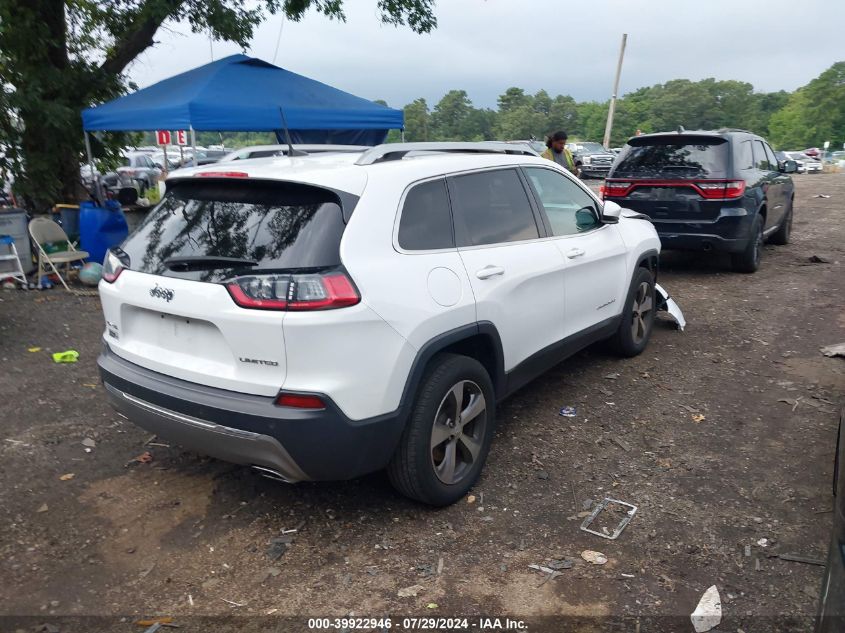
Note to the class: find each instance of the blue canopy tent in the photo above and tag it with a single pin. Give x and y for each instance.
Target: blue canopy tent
(240, 93)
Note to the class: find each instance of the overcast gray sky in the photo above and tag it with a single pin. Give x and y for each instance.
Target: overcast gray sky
(563, 46)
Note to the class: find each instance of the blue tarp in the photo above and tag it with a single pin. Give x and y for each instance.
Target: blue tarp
(240, 93)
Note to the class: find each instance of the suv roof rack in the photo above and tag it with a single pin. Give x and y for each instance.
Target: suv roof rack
(733, 129)
(398, 151)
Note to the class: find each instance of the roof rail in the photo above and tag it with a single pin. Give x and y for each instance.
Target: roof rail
(398, 151)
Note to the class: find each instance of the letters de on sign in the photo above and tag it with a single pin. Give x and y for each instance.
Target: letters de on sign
(181, 137)
(162, 137)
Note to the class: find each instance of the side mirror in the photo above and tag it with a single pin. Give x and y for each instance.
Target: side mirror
(611, 212)
(789, 167)
(585, 218)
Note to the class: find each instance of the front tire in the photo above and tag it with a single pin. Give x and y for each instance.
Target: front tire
(634, 331)
(447, 438)
(748, 261)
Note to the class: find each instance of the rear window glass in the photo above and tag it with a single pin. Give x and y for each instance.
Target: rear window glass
(674, 157)
(491, 207)
(426, 222)
(278, 226)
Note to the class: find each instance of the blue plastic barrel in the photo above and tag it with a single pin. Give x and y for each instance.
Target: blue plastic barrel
(100, 228)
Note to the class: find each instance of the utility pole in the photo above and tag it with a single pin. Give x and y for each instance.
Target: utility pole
(609, 127)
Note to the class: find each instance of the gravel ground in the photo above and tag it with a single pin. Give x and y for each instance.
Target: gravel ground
(695, 432)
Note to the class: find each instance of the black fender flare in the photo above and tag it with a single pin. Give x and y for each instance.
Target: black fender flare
(444, 341)
(651, 259)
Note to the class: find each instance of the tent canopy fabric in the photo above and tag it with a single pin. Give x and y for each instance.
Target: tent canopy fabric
(240, 93)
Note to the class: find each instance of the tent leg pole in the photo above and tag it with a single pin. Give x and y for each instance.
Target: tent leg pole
(94, 178)
(403, 135)
(194, 146)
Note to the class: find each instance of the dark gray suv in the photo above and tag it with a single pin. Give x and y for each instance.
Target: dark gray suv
(718, 190)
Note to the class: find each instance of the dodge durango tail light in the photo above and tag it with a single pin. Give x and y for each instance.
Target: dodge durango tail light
(112, 267)
(317, 291)
(615, 189)
(707, 189)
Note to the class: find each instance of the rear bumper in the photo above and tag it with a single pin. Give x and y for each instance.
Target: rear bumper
(728, 233)
(595, 170)
(246, 429)
(701, 242)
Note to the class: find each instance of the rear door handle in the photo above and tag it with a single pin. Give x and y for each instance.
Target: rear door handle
(575, 252)
(489, 271)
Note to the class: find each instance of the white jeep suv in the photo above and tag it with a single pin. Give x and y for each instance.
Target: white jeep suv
(323, 317)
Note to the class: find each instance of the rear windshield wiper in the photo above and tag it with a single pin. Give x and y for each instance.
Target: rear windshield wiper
(206, 262)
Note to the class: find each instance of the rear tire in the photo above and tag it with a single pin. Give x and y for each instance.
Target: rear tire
(781, 237)
(634, 331)
(748, 261)
(447, 437)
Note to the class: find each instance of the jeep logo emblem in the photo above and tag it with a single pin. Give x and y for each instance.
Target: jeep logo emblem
(161, 293)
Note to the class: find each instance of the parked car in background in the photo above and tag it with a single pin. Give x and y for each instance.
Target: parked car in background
(205, 157)
(806, 164)
(137, 166)
(707, 190)
(172, 160)
(370, 311)
(592, 159)
(831, 616)
(263, 151)
(534, 144)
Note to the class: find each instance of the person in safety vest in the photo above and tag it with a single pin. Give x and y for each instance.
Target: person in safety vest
(557, 152)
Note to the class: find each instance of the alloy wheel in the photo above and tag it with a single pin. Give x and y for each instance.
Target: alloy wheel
(457, 434)
(643, 305)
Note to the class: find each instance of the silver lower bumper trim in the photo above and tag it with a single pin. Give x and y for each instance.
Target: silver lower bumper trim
(223, 442)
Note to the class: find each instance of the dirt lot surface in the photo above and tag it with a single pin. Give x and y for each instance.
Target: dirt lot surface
(695, 432)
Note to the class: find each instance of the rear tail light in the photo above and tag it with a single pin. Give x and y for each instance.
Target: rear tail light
(735, 189)
(299, 401)
(720, 190)
(112, 267)
(222, 174)
(616, 189)
(708, 189)
(320, 291)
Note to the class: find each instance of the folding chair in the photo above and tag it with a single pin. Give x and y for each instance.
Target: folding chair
(44, 230)
(17, 273)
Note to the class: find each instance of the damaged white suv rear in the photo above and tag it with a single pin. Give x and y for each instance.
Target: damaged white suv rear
(323, 317)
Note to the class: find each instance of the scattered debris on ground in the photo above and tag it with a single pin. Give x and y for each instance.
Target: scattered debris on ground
(594, 558)
(625, 509)
(70, 356)
(834, 350)
(708, 613)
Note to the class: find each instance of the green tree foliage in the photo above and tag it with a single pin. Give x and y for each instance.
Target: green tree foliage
(513, 98)
(449, 121)
(815, 113)
(417, 121)
(58, 57)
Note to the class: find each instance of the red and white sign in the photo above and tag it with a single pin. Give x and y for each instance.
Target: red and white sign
(181, 137)
(162, 137)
